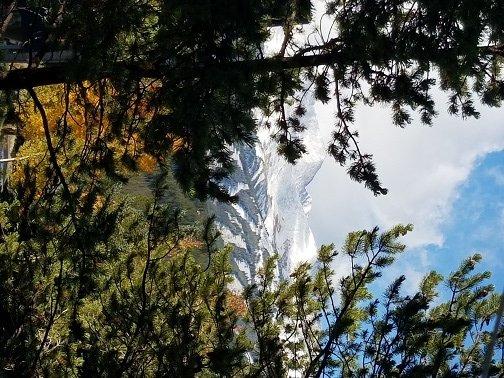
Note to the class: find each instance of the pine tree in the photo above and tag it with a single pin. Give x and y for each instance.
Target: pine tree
(96, 280)
(316, 327)
(124, 288)
(200, 67)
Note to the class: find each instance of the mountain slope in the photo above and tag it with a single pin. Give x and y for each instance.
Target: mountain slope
(271, 215)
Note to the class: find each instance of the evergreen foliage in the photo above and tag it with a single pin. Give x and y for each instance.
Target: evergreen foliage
(200, 67)
(130, 299)
(98, 279)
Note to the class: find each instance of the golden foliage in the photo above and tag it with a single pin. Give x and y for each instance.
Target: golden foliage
(78, 119)
(146, 163)
(237, 304)
(190, 243)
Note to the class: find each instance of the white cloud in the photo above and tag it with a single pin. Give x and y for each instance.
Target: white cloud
(421, 166)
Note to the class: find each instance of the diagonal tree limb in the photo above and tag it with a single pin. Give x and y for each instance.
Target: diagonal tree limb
(52, 152)
(8, 18)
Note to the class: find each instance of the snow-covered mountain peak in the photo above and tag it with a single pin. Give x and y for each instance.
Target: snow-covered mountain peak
(271, 215)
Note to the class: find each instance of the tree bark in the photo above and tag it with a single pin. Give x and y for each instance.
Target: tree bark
(6, 21)
(24, 78)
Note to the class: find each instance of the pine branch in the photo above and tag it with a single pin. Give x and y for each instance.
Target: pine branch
(23, 78)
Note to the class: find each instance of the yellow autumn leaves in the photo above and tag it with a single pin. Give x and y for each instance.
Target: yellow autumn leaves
(78, 120)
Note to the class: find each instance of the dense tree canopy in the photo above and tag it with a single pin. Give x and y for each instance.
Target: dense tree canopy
(143, 299)
(200, 67)
(103, 278)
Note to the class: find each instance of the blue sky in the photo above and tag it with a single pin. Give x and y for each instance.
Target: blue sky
(447, 180)
(476, 222)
